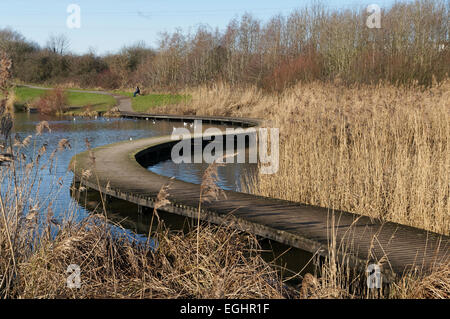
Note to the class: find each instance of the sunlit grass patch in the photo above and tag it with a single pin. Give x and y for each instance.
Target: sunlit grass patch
(25, 94)
(142, 103)
(95, 102)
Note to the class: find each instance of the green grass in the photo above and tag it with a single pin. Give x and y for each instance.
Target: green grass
(97, 102)
(100, 102)
(24, 94)
(142, 103)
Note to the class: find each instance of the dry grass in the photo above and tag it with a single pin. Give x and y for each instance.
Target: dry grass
(381, 151)
(115, 266)
(435, 285)
(36, 248)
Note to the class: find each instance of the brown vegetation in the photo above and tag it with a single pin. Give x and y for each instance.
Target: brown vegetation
(378, 150)
(116, 266)
(52, 102)
(37, 246)
(5, 77)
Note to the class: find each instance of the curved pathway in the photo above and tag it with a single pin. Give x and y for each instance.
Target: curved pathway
(358, 238)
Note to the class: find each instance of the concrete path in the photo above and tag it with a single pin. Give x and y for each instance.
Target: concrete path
(123, 103)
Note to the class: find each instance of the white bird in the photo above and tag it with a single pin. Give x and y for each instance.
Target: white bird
(146, 118)
(184, 123)
(154, 122)
(191, 125)
(131, 138)
(74, 119)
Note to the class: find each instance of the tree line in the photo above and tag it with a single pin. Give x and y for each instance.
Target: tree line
(309, 44)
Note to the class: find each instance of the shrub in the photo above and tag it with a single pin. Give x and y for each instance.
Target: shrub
(55, 101)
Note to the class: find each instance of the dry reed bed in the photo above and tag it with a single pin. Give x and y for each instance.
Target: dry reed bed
(115, 266)
(376, 150)
(381, 151)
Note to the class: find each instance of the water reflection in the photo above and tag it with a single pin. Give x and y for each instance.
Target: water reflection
(232, 176)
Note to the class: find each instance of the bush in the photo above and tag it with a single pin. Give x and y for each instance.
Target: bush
(53, 102)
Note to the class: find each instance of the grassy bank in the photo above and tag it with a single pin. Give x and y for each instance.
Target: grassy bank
(148, 102)
(80, 100)
(96, 102)
(87, 103)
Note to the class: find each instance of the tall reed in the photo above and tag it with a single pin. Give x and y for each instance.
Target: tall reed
(376, 150)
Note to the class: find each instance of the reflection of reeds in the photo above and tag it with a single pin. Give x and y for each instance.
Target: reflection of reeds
(42, 127)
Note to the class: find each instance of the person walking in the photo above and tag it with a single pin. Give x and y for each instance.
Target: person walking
(137, 92)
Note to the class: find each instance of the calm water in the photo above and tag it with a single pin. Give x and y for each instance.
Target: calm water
(103, 131)
(231, 176)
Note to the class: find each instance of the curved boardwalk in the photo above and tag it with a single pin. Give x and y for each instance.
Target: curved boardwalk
(358, 238)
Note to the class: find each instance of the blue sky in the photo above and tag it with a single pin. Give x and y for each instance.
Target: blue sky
(108, 25)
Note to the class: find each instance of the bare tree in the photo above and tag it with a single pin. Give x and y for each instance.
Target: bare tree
(58, 44)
